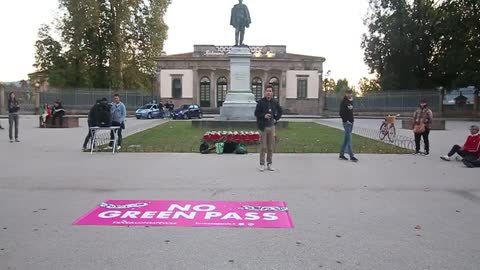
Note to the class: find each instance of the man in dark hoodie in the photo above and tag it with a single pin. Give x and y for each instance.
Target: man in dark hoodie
(92, 122)
(58, 112)
(346, 112)
(268, 111)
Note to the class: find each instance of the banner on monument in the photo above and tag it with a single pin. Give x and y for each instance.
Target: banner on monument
(189, 214)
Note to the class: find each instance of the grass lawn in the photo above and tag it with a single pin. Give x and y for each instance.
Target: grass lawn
(179, 136)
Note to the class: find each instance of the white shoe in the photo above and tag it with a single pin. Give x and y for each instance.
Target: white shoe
(119, 147)
(11, 141)
(446, 158)
(270, 168)
(458, 158)
(262, 168)
(109, 148)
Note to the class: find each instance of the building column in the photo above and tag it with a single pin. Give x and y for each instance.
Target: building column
(159, 84)
(321, 93)
(196, 87)
(283, 88)
(213, 90)
(265, 81)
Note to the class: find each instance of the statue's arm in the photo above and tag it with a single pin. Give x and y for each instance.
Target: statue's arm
(232, 23)
(249, 20)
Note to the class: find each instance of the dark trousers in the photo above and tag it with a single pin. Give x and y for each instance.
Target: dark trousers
(13, 121)
(58, 115)
(112, 135)
(456, 149)
(88, 138)
(418, 137)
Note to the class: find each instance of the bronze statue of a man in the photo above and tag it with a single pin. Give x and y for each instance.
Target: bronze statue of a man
(240, 19)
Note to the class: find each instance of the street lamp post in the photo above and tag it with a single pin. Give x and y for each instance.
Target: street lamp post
(37, 97)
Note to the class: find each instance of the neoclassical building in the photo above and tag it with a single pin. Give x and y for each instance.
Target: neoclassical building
(203, 77)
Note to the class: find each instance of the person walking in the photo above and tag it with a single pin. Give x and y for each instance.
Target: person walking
(13, 108)
(346, 113)
(267, 112)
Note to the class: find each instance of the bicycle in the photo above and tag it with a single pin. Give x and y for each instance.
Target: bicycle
(387, 129)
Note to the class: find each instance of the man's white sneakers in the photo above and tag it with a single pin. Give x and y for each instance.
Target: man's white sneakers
(446, 158)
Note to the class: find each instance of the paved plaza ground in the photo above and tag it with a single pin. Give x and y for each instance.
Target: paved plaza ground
(346, 215)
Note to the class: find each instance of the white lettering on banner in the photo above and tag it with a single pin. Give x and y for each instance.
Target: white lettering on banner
(208, 206)
(149, 214)
(185, 208)
(252, 216)
(209, 215)
(270, 216)
(131, 214)
(182, 214)
(164, 215)
(231, 216)
(110, 214)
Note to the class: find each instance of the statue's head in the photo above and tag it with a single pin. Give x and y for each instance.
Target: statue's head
(240, 1)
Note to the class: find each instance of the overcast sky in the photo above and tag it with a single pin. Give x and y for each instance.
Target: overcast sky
(327, 28)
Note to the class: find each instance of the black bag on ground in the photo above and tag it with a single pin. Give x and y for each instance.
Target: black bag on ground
(206, 149)
(229, 147)
(103, 115)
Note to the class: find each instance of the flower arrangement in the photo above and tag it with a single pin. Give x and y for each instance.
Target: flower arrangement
(232, 136)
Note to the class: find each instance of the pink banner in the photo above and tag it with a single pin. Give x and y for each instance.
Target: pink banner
(189, 214)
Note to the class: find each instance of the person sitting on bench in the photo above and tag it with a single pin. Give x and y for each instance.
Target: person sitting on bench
(58, 112)
(471, 148)
(45, 113)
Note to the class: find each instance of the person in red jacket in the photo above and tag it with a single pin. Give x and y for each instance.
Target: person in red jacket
(471, 148)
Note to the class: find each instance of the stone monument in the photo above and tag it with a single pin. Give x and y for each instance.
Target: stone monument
(240, 102)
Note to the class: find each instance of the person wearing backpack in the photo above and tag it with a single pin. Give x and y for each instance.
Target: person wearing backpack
(119, 113)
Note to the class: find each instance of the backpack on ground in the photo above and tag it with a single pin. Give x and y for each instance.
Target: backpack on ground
(241, 149)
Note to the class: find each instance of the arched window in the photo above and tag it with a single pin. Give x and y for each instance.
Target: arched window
(257, 88)
(276, 87)
(222, 89)
(205, 92)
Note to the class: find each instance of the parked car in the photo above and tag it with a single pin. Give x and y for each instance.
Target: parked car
(149, 111)
(187, 112)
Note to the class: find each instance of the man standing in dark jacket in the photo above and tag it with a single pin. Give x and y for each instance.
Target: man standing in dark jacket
(92, 122)
(346, 112)
(268, 112)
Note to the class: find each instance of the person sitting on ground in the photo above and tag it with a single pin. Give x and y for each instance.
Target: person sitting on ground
(58, 112)
(471, 148)
(472, 163)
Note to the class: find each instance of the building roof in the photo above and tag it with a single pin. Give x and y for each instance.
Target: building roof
(287, 56)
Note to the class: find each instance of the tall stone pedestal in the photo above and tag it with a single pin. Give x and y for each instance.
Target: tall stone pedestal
(240, 102)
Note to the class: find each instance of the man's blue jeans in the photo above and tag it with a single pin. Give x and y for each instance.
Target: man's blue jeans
(347, 141)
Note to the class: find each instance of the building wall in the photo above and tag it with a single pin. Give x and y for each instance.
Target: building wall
(312, 85)
(166, 83)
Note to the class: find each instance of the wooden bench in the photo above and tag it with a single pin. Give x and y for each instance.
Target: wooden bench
(69, 121)
(435, 125)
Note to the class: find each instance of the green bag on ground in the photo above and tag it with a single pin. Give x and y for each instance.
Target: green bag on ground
(241, 149)
(219, 147)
